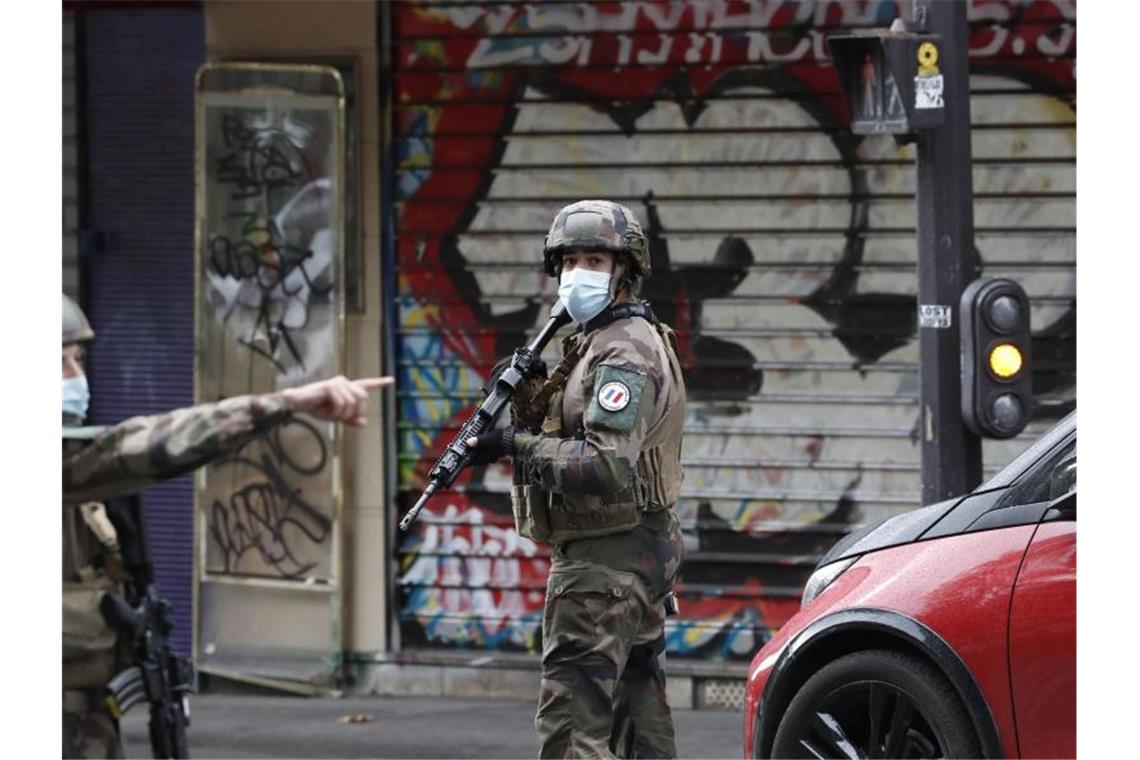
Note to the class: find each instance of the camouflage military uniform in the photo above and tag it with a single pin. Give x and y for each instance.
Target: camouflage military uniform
(608, 462)
(119, 461)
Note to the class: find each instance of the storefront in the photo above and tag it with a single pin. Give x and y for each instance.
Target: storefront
(783, 253)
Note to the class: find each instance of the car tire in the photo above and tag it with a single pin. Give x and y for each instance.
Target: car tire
(876, 703)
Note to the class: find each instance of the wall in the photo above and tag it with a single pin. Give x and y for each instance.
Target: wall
(281, 31)
(783, 252)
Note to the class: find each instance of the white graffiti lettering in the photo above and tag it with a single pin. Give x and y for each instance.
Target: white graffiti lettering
(562, 50)
(625, 48)
(478, 569)
(705, 31)
(481, 554)
(661, 55)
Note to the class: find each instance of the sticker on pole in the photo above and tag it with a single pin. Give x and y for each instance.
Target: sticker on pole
(934, 316)
(927, 59)
(614, 396)
(928, 91)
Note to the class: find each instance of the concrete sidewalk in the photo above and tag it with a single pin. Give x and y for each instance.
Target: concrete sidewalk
(247, 726)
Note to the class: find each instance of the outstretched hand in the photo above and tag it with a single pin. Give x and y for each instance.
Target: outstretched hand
(337, 399)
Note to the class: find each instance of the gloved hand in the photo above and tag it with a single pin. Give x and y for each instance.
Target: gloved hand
(492, 445)
(524, 413)
(532, 368)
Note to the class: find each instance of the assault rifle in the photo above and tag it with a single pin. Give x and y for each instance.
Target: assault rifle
(159, 676)
(457, 455)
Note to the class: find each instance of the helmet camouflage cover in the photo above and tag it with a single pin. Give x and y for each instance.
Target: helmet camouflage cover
(595, 225)
(76, 328)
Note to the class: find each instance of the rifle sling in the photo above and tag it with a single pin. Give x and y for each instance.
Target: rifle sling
(557, 380)
(575, 349)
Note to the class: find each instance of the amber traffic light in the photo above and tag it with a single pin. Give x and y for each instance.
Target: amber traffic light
(997, 391)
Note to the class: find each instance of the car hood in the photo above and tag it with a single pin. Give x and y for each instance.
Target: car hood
(894, 531)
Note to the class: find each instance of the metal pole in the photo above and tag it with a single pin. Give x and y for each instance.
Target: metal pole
(947, 262)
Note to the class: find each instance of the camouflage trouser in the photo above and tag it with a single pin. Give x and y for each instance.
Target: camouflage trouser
(89, 731)
(603, 656)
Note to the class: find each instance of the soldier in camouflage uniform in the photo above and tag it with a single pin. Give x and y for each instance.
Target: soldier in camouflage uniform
(597, 476)
(102, 463)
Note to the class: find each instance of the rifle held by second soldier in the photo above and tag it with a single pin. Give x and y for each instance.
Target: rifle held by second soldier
(457, 455)
(159, 676)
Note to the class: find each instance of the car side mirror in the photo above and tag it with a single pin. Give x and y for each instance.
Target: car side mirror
(1063, 479)
(1063, 507)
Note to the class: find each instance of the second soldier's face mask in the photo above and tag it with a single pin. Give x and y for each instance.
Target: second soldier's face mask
(584, 292)
(76, 396)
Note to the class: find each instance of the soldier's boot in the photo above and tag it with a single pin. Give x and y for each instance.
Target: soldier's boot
(643, 722)
(89, 731)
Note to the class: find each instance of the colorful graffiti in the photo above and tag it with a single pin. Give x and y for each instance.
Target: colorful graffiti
(782, 249)
(474, 582)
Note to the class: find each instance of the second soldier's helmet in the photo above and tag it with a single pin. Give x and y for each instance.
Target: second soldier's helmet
(596, 225)
(76, 328)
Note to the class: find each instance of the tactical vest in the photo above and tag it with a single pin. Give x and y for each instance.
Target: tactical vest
(92, 567)
(656, 485)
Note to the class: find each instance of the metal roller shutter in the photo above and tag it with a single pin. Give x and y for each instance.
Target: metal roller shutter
(70, 164)
(783, 252)
(138, 76)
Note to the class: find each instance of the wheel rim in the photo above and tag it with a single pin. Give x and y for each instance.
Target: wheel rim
(868, 719)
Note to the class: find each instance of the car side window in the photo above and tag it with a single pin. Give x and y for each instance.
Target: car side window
(1053, 476)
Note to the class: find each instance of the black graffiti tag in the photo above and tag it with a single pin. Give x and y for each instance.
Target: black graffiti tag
(258, 159)
(261, 258)
(270, 515)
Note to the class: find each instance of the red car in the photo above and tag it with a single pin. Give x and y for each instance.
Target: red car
(948, 631)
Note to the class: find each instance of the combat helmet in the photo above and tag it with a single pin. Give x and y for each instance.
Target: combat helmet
(598, 225)
(76, 328)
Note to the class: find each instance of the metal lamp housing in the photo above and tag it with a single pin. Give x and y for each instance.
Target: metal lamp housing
(995, 313)
(881, 72)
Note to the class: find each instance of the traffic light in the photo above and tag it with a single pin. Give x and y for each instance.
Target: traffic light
(891, 80)
(997, 391)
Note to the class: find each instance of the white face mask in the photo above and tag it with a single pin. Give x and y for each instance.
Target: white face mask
(584, 292)
(76, 396)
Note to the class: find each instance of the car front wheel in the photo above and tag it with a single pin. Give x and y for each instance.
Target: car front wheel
(876, 703)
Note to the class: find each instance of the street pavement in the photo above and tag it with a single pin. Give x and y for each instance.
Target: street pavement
(245, 726)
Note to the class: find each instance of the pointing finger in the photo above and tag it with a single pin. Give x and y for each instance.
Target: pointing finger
(369, 383)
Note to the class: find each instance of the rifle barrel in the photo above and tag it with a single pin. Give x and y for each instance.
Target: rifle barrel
(415, 510)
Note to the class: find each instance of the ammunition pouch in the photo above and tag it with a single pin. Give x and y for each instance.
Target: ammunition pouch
(617, 514)
(531, 504)
(547, 517)
(90, 645)
(659, 486)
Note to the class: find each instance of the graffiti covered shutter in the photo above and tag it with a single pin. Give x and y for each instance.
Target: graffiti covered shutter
(783, 253)
(138, 77)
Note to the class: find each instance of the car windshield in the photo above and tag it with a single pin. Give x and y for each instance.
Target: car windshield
(1012, 471)
(1037, 484)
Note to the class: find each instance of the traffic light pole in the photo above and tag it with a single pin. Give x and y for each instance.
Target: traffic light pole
(947, 262)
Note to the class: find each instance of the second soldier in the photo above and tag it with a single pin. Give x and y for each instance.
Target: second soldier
(597, 472)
